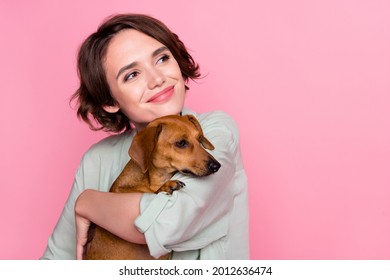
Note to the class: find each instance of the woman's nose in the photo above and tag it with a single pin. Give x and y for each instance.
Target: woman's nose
(155, 78)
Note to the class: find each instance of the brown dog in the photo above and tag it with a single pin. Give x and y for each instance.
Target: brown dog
(167, 145)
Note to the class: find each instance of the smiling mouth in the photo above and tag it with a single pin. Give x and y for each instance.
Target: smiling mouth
(162, 95)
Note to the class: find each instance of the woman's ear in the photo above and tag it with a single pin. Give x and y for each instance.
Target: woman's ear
(111, 108)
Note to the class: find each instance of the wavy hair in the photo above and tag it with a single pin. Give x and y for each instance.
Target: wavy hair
(94, 91)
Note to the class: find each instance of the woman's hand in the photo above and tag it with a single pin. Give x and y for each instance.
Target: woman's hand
(115, 212)
(82, 224)
(82, 227)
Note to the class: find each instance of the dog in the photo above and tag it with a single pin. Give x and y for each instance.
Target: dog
(167, 145)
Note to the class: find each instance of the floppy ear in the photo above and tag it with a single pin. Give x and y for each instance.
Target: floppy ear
(203, 140)
(142, 147)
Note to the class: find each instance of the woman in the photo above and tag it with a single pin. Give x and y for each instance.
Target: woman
(133, 70)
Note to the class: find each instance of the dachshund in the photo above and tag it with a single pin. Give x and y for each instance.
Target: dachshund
(165, 146)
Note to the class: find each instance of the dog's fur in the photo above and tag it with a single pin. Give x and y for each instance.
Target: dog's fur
(167, 145)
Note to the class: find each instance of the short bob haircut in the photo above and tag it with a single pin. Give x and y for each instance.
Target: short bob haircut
(94, 92)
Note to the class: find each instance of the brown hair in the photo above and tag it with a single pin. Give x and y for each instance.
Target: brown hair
(94, 92)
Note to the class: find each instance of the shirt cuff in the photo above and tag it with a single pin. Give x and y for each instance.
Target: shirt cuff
(151, 205)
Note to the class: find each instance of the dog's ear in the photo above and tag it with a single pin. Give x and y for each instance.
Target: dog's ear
(203, 140)
(143, 144)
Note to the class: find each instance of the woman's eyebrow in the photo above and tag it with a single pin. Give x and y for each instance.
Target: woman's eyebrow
(133, 64)
(124, 68)
(159, 50)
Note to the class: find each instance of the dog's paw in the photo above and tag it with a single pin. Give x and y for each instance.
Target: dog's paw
(172, 186)
(178, 185)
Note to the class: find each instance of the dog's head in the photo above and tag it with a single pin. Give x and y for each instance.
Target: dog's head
(174, 143)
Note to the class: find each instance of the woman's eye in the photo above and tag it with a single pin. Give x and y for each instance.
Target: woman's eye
(164, 58)
(130, 76)
(182, 143)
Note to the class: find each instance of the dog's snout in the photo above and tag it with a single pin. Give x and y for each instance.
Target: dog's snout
(213, 165)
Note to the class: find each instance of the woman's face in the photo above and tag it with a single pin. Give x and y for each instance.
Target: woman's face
(144, 78)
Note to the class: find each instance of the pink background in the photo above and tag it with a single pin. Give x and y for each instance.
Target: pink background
(307, 81)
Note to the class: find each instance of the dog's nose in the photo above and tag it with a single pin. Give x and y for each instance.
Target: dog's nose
(213, 166)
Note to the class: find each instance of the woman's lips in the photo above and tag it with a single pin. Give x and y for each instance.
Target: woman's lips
(163, 95)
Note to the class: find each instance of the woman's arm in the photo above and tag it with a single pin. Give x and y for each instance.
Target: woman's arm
(106, 209)
(98, 168)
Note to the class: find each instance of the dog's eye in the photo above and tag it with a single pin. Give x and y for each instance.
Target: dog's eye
(182, 143)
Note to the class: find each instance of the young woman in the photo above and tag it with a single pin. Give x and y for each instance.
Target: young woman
(132, 70)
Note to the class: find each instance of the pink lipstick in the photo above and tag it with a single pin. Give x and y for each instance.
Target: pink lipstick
(163, 95)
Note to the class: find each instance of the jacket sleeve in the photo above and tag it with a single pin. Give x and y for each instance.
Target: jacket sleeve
(99, 167)
(197, 215)
(62, 242)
